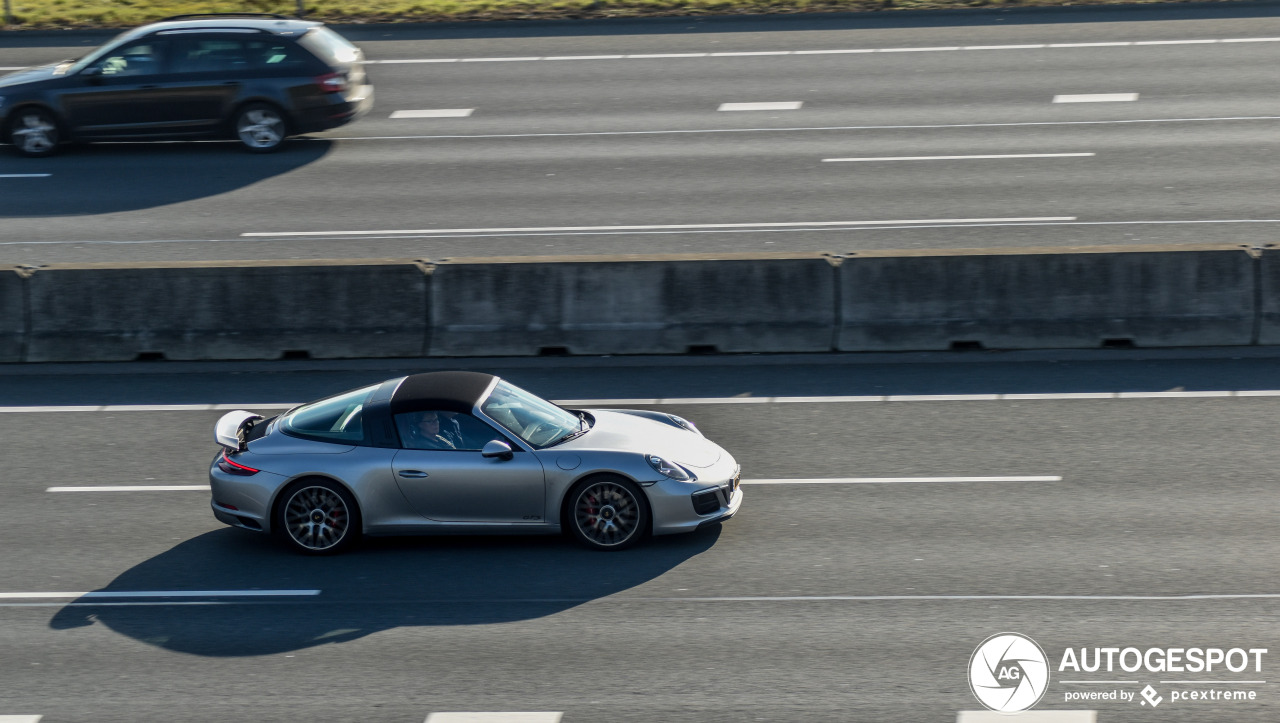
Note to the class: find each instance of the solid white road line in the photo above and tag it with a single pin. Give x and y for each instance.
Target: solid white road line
(24, 175)
(1096, 98)
(658, 227)
(894, 480)
(1029, 716)
(438, 113)
(110, 594)
(658, 401)
(133, 488)
(784, 105)
(956, 158)
(497, 717)
(20, 718)
(833, 51)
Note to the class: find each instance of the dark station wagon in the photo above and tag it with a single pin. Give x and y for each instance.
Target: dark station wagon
(251, 77)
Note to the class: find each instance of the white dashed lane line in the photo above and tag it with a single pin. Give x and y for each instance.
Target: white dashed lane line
(784, 105)
(20, 718)
(495, 717)
(24, 175)
(806, 481)
(957, 158)
(832, 51)
(1096, 98)
(438, 113)
(1030, 716)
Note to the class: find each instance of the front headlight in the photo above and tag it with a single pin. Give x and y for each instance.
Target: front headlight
(669, 469)
(684, 423)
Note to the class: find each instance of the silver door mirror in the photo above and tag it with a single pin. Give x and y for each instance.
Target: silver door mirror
(497, 448)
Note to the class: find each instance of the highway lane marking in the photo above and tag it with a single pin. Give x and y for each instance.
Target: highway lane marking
(895, 480)
(655, 227)
(808, 481)
(20, 718)
(1029, 716)
(1096, 98)
(494, 717)
(782, 105)
(792, 129)
(957, 158)
(132, 488)
(662, 401)
(437, 113)
(24, 175)
(833, 51)
(145, 594)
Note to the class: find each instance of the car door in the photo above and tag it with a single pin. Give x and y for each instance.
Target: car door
(121, 93)
(209, 73)
(445, 477)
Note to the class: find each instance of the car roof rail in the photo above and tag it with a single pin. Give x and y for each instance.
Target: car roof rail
(191, 16)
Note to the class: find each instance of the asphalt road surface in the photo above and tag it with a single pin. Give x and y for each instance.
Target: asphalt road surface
(1144, 519)
(1052, 128)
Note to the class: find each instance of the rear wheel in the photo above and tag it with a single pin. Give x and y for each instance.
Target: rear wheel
(34, 132)
(607, 513)
(317, 517)
(260, 127)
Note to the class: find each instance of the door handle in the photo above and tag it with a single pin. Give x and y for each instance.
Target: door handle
(412, 473)
(150, 87)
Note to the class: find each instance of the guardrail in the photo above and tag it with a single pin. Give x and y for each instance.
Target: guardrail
(1143, 296)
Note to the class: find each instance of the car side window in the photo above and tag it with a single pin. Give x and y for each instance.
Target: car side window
(275, 55)
(439, 430)
(210, 55)
(145, 57)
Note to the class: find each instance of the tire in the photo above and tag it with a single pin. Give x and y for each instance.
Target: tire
(260, 128)
(607, 513)
(317, 517)
(34, 132)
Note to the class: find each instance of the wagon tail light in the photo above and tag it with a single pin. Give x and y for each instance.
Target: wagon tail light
(332, 82)
(230, 466)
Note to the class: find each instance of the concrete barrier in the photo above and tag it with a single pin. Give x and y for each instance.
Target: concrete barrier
(228, 310)
(13, 316)
(1047, 298)
(633, 305)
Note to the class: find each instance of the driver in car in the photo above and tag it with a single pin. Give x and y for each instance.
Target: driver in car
(433, 430)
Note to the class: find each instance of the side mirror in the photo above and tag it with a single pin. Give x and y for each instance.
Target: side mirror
(92, 71)
(497, 448)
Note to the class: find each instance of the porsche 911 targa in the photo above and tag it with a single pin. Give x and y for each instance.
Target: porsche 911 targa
(463, 452)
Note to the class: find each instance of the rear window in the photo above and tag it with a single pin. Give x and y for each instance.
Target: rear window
(330, 46)
(336, 419)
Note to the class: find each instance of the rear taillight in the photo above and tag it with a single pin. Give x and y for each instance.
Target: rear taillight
(332, 82)
(226, 464)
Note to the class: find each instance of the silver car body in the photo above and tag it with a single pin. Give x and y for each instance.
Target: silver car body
(467, 492)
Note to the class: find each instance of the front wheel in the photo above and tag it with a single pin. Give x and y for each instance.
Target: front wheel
(34, 132)
(317, 517)
(607, 513)
(260, 128)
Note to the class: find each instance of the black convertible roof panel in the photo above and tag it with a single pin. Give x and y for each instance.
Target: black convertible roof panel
(444, 391)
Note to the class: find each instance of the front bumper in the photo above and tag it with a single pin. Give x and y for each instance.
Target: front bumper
(673, 506)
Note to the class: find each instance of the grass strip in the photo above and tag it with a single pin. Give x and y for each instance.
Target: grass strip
(66, 14)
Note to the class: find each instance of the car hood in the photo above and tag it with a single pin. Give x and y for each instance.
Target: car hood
(621, 432)
(32, 75)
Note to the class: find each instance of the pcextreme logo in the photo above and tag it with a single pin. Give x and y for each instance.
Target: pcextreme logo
(1008, 673)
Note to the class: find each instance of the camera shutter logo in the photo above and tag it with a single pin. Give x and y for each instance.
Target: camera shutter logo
(1008, 673)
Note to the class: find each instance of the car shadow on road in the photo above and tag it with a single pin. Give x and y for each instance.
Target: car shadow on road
(92, 179)
(385, 583)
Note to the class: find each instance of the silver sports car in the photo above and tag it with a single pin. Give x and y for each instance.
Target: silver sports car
(461, 452)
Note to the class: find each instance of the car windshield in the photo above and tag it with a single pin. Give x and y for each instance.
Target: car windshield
(336, 419)
(533, 419)
(98, 52)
